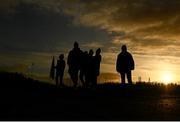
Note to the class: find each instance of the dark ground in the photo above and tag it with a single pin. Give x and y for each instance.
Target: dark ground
(25, 99)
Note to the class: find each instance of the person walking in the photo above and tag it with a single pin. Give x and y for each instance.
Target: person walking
(73, 61)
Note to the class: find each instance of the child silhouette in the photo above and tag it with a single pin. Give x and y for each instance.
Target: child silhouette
(60, 70)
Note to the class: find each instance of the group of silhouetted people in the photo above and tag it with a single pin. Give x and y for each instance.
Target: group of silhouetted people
(85, 63)
(86, 66)
(82, 65)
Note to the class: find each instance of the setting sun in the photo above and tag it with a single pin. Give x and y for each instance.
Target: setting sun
(167, 78)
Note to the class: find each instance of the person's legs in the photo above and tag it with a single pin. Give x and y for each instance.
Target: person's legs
(91, 80)
(122, 77)
(75, 77)
(81, 77)
(61, 79)
(56, 80)
(129, 77)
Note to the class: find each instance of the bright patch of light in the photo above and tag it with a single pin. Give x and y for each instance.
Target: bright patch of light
(167, 78)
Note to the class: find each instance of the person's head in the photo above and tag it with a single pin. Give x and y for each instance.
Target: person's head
(61, 57)
(76, 45)
(98, 51)
(124, 48)
(91, 52)
(86, 52)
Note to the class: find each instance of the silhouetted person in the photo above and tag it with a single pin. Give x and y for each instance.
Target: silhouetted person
(60, 70)
(83, 67)
(97, 61)
(73, 61)
(90, 69)
(125, 64)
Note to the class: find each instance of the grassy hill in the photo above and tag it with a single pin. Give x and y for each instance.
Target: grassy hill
(23, 98)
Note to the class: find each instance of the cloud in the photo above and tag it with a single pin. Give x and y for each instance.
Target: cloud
(6, 4)
(93, 45)
(140, 17)
(121, 15)
(147, 27)
(150, 28)
(114, 15)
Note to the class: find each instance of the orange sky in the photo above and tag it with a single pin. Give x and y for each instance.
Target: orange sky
(34, 31)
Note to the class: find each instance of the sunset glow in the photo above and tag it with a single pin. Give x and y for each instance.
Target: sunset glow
(34, 31)
(167, 78)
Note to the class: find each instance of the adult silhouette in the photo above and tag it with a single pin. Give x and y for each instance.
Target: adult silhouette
(83, 67)
(90, 69)
(73, 62)
(125, 64)
(97, 61)
(60, 69)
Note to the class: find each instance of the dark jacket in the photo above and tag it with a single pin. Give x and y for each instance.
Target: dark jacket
(74, 59)
(124, 62)
(60, 66)
(97, 61)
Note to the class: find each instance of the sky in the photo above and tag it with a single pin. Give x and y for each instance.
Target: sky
(32, 31)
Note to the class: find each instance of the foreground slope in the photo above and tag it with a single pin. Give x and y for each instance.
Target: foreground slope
(26, 99)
